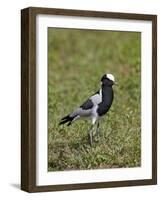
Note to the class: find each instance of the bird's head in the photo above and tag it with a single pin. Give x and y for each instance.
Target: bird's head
(108, 79)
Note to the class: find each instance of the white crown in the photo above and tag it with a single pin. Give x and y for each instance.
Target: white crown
(111, 77)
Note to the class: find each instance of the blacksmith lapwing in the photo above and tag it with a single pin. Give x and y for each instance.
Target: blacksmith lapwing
(95, 107)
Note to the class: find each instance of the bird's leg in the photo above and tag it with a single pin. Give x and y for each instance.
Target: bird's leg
(98, 128)
(90, 135)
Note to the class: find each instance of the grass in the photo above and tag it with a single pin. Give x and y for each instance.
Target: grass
(76, 61)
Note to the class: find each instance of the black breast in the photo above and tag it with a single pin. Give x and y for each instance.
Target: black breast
(107, 99)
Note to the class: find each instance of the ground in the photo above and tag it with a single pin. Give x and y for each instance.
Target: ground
(77, 59)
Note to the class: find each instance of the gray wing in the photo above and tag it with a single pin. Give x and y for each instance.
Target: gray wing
(97, 97)
(86, 108)
(87, 105)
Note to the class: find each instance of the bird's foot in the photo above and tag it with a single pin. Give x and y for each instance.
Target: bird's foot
(97, 138)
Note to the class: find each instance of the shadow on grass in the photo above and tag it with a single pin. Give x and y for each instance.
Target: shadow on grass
(15, 185)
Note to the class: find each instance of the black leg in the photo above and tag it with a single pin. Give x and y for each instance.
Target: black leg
(98, 128)
(90, 135)
(90, 139)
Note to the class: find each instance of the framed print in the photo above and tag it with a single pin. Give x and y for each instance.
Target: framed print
(88, 99)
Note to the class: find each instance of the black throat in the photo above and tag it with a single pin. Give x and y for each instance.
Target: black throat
(107, 99)
(107, 94)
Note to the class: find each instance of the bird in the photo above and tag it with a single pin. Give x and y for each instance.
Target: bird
(94, 107)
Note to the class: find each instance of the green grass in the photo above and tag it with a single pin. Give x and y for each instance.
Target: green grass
(76, 61)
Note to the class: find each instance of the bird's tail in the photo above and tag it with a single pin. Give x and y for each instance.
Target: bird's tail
(66, 119)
